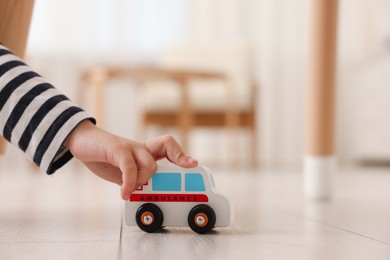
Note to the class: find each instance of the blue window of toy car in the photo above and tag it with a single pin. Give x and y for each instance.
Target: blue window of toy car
(194, 182)
(166, 182)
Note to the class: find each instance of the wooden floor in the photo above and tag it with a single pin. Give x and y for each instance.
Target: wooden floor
(75, 215)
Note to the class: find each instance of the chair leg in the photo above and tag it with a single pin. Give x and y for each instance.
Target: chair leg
(232, 118)
(185, 116)
(99, 81)
(233, 146)
(254, 149)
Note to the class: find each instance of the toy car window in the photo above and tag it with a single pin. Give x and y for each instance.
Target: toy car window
(166, 182)
(194, 182)
(212, 181)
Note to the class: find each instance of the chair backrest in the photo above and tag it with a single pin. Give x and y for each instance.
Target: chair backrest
(234, 60)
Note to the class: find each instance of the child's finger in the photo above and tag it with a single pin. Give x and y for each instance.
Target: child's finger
(186, 161)
(167, 147)
(129, 176)
(146, 165)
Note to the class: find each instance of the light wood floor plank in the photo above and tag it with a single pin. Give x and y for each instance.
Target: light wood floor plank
(74, 215)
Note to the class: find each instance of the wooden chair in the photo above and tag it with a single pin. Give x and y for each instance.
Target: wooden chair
(183, 113)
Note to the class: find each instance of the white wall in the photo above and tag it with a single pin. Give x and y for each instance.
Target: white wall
(363, 92)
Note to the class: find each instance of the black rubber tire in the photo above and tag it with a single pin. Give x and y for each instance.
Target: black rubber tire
(208, 213)
(156, 213)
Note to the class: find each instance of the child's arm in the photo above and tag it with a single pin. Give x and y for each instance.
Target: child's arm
(51, 129)
(34, 115)
(125, 162)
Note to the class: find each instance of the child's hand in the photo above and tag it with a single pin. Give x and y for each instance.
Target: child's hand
(125, 162)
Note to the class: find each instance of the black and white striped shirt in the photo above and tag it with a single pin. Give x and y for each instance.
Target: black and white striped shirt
(34, 115)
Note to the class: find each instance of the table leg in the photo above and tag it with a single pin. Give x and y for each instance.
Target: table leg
(319, 161)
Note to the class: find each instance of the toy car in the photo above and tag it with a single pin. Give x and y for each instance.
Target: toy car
(178, 197)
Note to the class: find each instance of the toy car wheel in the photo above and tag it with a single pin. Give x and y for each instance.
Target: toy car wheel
(149, 217)
(201, 218)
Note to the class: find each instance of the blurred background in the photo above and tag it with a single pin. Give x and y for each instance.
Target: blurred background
(241, 62)
(227, 79)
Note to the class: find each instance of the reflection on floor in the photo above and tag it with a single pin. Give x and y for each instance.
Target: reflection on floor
(75, 215)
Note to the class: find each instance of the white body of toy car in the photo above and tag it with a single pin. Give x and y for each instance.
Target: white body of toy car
(179, 197)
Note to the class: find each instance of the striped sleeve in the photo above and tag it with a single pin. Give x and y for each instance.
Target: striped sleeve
(34, 115)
